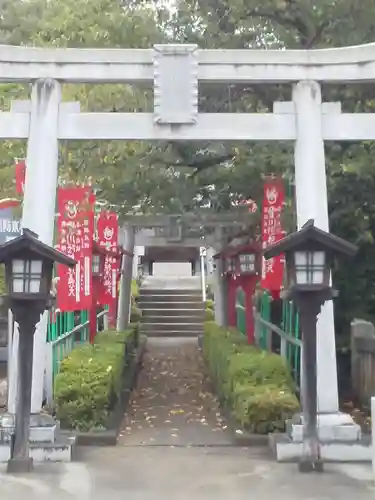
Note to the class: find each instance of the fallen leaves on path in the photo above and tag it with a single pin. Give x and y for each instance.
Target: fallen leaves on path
(172, 396)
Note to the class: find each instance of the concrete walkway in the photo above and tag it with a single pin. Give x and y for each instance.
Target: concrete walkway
(168, 473)
(177, 447)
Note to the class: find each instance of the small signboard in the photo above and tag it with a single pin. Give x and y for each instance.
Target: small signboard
(9, 229)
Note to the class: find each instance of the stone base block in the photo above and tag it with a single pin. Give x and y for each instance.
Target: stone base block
(19, 466)
(43, 427)
(331, 427)
(285, 449)
(62, 450)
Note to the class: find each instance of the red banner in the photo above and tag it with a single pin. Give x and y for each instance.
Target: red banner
(75, 228)
(107, 230)
(272, 232)
(20, 176)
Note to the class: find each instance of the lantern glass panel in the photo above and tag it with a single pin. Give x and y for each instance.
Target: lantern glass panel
(230, 265)
(26, 275)
(96, 264)
(310, 267)
(247, 262)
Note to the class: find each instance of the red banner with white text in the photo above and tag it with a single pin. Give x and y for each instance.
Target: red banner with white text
(107, 232)
(75, 232)
(272, 232)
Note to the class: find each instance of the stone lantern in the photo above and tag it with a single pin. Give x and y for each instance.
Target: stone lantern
(309, 254)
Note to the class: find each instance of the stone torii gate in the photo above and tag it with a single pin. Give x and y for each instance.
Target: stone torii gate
(204, 228)
(176, 71)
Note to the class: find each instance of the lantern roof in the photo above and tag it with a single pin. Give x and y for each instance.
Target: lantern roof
(29, 241)
(233, 251)
(310, 234)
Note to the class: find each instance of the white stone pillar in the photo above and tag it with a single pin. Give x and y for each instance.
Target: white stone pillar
(124, 300)
(218, 282)
(39, 205)
(311, 202)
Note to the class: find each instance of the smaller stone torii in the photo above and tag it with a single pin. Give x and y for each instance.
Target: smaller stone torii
(176, 72)
(205, 228)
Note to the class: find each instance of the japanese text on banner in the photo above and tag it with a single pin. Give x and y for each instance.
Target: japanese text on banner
(272, 232)
(107, 230)
(75, 225)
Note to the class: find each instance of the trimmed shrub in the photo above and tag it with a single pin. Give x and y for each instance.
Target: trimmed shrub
(90, 379)
(256, 386)
(210, 304)
(209, 314)
(136, 314)
(134, 289)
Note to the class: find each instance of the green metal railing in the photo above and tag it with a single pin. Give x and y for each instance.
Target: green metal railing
(64, 332)
(290, 325)
(263, 306)
(240, 311)
(283, 339)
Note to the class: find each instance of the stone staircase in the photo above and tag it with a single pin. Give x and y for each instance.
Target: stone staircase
(172, 309)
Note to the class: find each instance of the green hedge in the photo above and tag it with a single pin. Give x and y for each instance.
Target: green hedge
(210, 304)
(209, 314)
(136, 314)
(255, 385)
(90, 379)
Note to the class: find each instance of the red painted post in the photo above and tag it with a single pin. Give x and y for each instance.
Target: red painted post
(232, 313)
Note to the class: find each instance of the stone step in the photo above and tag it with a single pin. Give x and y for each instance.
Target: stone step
(172, 319)
(167, 313)
(170, 291)
(171, 305)
(162, 327)
(170, 298)
(173, 334)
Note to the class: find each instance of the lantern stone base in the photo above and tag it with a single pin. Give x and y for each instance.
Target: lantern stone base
(47, 444)
(19, 465)
(331, 427)
(341, 440)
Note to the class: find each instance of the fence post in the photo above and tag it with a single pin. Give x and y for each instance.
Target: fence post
(105, 319)
(283, 347)
(360, 329)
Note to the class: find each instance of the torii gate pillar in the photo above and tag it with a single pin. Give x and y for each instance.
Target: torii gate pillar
(311, 200)
(39, 214)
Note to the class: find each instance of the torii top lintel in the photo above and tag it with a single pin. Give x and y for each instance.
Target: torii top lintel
(346, 64)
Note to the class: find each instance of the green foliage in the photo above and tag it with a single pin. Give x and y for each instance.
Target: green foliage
(353, 217)
(136, 314)
(90, 379)
(255, 385)
(209, 314)
(134, 289)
